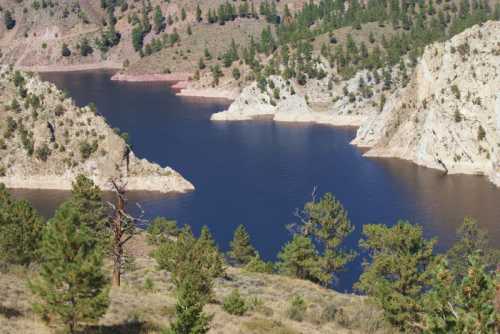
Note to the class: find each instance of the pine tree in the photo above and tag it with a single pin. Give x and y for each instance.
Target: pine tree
(327, 224)
(398, 273)
(65, 51)
(159, 20)
(9, 21)
(20, 230)
(86, 197)
(193, 264)
(190, 318)
(72, 285)
(242, 250)
(299, 258)
(198, 13)
(470, 240)
(466, 306)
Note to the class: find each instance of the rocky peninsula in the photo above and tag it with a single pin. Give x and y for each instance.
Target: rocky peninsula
(46, 141)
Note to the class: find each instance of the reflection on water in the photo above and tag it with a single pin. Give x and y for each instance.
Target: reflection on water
(258, 173)
(447, 199)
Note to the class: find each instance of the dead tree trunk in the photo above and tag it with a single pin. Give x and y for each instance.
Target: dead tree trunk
(123, 229)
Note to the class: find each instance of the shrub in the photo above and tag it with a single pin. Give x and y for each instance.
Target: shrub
(160, 230)
(234, 304)
(87, 149)
(65, 51)
(9, 20)
(257, 265)
(481, 134)
(43, 152)
(236, 73)
(329, 313)
(149, 284)
(297, 309)
(456, 91)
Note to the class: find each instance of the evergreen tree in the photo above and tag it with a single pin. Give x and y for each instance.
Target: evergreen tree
(137, 38)
(461, 306)
(160, 230)
(188, 256)
(159, 20)
(71, 285)
(85, 48)
(299, 258)
(9, 21)
(65, 51)
(198, 13)
(193, 264)
(86, 197)
(470, 241)
(190, 318)
(398, 273)
(242, 250)
(326, 223)
(20, 230)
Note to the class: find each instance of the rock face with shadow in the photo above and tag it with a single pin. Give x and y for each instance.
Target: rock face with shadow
(46, 141)
(445, 118)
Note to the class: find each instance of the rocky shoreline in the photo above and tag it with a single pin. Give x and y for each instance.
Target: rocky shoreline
(71, 68)
(167, 77)
(49, 141)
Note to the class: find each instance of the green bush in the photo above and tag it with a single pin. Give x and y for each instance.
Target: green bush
(20, 230)
(297, 309)
(257, 265)
(43, 152)
(160, 230)
(234, 304)
(329, 313)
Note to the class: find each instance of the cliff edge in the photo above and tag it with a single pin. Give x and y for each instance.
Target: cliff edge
(446, 117)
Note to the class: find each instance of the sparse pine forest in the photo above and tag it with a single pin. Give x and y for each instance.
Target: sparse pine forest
(65, 265)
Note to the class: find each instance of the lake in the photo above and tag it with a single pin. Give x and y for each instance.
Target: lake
(257, 173)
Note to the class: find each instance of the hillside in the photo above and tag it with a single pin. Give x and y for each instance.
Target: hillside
(141, 307)
(328, 62)
(47, 141)
(42, 28)
(446, 118)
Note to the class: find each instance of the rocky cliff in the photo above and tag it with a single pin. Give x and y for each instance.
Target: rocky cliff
(45, 141)
(280, 101)
(445, 118)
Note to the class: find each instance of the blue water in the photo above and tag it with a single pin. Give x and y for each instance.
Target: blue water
(258, 173)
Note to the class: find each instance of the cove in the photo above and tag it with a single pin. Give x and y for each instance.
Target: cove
(257, 173)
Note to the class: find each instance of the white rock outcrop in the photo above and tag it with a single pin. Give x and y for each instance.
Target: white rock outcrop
(46, 141)
(278, 102)
(446, 117)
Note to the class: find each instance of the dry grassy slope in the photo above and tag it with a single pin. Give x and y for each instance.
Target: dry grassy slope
(36, 41)
(184, 56)
(62, 128)
(137, 309)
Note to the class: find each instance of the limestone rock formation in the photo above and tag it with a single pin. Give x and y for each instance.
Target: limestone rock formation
(445, 118)
(277, 100)
(45, 141)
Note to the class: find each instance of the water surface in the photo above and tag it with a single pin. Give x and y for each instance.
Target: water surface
(258, 173)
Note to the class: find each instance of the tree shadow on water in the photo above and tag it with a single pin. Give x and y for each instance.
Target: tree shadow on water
(136, 327)
(9, 312)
